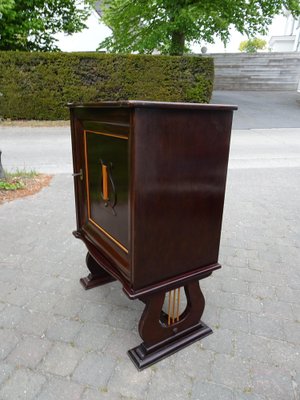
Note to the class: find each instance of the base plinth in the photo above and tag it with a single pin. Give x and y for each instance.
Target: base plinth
(142, 357)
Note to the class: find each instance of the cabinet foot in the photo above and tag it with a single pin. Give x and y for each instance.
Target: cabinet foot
(97, 277)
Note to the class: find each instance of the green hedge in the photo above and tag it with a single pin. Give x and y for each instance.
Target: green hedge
(39, 85)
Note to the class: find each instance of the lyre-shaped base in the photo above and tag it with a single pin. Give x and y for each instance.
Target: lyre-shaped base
(163, 339)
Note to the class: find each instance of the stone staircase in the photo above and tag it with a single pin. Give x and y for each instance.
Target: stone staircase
(260, 71)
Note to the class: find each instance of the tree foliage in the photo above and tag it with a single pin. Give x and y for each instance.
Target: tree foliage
(252, 45)
(170, 26)
(31, 24)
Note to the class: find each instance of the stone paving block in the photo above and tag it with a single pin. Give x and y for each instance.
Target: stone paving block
(8, 341)
(135, 387)
(95, 370)
(11, 316)
(20, 296)
(221, 341)
(236, 286)
(296, 312)
(123, 317)
(248, 395)
(68, 307)
(23, 385)
(62, 329)
(231, 372)
(5, 371)
(261, 291)
(29, 352)
(274, 279)
(247, 304)
(43, 302)
(278, 309)
(210, 391)
(34, 323)
(234, 320)
(95, 312)
(61, 360)
(274, 383)
(251, 347)
(219, 299)
(168, 384)
(60, 389)
(211, 315)
(93, 394)
(265, 326)
(2, 306)
(287, 294)
(93, 336)
(120, 342)
(195, 361)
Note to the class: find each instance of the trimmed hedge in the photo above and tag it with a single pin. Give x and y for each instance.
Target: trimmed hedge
(39, 85)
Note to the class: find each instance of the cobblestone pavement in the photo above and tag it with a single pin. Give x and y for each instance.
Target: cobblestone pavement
(58, 341)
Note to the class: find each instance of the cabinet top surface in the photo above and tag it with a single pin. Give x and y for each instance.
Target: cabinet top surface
(153, 104)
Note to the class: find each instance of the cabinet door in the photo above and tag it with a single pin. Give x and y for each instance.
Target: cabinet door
(106, 167)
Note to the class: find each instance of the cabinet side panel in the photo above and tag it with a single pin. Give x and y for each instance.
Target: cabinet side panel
(181, 159)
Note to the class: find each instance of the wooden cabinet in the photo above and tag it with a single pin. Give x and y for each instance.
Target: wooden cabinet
(149, 188)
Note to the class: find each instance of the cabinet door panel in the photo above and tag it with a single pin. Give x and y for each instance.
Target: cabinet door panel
(106, 164)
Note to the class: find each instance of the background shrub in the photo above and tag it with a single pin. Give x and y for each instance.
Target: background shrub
(39, 85)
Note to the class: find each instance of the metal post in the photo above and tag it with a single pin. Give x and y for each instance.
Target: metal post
(2, 174)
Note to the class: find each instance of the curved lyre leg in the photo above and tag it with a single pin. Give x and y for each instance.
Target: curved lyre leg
(97, 276)
(168, 333)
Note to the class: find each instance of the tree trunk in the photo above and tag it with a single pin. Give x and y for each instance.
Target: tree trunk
(177, 44)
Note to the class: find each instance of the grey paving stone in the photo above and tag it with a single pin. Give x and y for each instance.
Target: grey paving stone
(235, 285)
(275, 352)
(95, 312)
(266, 326)
(219, 299)
(93, 336)
(34, 322)
(61, 360)
(272, 382)
(60, 389)
(2, 306)
(135, 387)
(68, 307)
(43, 302)
(5, 371)
(278, 309)
(221, 341)
(234, 320)
(261, 291)
(210, 391)
(23, 385)
(8, 341)
(11, 316)
(120, 342)
(292, 331)
(231, 372)
(62, 329)
(247, 304)
(287, 294)
(122, 317)
(29, 352)
(248, 394)
(167, 384)
(195, 361)
(93, 394)
(20, 296)
(95, 370)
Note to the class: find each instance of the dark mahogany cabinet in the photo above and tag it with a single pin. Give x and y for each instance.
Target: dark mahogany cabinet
(149, 189)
